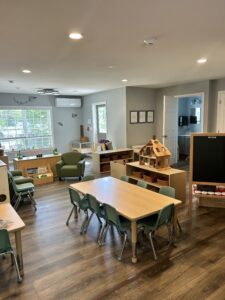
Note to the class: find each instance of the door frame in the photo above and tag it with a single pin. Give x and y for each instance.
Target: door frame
(201, 94)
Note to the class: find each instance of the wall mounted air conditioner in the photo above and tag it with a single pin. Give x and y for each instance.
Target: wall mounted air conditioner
(68, 102)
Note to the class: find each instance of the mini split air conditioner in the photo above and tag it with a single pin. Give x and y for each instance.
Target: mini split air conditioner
(68, 102)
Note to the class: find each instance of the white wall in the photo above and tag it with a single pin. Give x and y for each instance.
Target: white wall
(116, 114)
(63, 135)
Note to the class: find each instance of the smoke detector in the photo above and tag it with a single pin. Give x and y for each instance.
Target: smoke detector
(150, 41)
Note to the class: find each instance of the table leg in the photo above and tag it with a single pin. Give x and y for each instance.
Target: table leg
(134, 241)
(19, 251)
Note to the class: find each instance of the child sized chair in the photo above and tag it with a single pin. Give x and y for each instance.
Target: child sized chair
(6, 248)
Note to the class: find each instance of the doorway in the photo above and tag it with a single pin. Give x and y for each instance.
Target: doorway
(182, 115)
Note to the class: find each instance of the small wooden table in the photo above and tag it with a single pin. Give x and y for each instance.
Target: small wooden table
(131, 201)
(15, 225)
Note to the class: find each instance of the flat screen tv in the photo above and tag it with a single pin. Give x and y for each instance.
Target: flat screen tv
(208, 158)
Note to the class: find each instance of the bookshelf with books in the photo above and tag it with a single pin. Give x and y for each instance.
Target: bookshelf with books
(40, 174)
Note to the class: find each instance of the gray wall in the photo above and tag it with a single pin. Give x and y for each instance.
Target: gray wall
(140, 99)
(116, 114)
(63, 135)
(182, 89)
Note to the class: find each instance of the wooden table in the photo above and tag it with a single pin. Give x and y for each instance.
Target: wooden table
(131, 201)
(16, 224)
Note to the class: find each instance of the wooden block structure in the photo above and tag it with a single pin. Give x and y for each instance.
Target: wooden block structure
(155, 154)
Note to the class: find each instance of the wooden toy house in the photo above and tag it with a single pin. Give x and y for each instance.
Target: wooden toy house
(155, 154)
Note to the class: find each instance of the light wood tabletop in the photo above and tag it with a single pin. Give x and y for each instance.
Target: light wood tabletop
(15, 224)
(131, 201)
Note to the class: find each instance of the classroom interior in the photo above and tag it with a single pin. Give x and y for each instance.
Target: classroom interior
(112, 142)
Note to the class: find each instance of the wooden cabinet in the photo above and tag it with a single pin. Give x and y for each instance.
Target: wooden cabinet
(156, 178)
(42, 169)
(101, 159)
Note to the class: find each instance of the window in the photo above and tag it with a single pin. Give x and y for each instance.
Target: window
(101, 118)
(24, 129)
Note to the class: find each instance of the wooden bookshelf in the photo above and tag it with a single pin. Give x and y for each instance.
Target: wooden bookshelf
(41, 175)
(102, 159)
(171, 177)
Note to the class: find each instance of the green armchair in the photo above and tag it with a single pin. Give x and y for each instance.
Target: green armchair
(72, 164)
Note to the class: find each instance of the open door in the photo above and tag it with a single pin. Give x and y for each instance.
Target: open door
(170, 126)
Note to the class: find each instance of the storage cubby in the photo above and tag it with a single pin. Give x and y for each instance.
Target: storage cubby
(102, 159)
(40, 174)
(157, 178)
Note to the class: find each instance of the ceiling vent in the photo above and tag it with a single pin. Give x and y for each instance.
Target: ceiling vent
(68, 102)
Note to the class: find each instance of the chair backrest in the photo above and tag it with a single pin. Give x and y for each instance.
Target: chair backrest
(142, 184)
(111, 215)
(74, 197)
(72, 158)
(165, 215)
(94, 205)
(12, 182)
(168, 191)
(124, 178)
(88, 177)
(4, 241)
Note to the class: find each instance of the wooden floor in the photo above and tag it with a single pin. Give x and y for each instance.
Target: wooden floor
(59, 263)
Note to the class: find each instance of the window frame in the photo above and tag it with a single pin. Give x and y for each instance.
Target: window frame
(22, 107)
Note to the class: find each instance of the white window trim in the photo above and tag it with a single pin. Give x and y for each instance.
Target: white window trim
(33, 107)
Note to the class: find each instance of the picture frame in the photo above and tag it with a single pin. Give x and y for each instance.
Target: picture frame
(133, 117)
(150, 116)
(142, 116)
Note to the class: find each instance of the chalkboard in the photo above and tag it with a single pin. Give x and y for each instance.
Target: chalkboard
(208, 158)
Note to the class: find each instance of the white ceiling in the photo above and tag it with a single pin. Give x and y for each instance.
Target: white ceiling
(34, 35)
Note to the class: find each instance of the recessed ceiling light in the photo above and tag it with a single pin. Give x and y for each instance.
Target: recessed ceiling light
(202, 60)
(26, 71)
(75, 36)
(124, 80)
(110, 67)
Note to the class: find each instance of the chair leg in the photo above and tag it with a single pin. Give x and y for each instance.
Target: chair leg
(179, 226)
(123, 246)
(152, 245)
(19, 278)
(32, 201)
(88, 222)
(17, 202)
(83, 225)
(67, 222)
(104, 234)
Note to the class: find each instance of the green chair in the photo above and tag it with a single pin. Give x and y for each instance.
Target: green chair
(112, 218)
(21, 191)
(72, 164)
(142, 184)
(82, 204)
(124, 178)
(6, 248)
(97, 209)
(19, 178)
(170, 192)
(152, 223)
(88, 177)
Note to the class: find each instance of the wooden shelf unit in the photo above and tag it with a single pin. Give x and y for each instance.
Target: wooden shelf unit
(175, 178)
(34, 162)
(102, 159)
(41, 174)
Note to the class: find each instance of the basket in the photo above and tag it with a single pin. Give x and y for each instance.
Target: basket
(137, 174)
(105, 168)
(105, 159)
(147, 178)
(162, 182)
